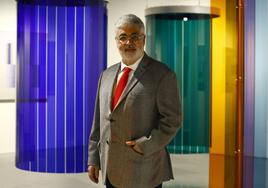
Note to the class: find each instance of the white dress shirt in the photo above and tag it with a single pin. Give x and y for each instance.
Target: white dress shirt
(133, 68)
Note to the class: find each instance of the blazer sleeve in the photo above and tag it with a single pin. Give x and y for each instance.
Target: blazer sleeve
(93, 150)
(170, 116)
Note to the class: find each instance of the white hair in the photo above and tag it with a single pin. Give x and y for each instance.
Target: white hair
(129, 19)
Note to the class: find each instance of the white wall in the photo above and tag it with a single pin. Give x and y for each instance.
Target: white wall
(7, 127)
(117, 8)
(8, 23)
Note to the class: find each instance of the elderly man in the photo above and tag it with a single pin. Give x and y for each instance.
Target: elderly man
(137, 113)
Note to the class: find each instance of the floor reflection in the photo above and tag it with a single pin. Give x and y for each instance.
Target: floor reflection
(190, 171)
(223, 172)
(260, 175)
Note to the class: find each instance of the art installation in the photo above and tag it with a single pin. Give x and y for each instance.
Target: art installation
(61, 53)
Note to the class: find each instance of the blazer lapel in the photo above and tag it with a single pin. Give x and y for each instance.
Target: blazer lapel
(136, 77)
(113, 79)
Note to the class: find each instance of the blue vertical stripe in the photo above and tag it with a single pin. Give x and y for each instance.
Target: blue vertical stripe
(51, 89)
(56, 86)
(70, 89)
(42, 88)
(37, 92)
(33, 85)
(88, 41)
(60, 90)
(79, 86)
(84, 86)
(26, 97)
(20, 49)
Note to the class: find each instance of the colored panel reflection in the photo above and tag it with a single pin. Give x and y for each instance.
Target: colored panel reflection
(220, 177)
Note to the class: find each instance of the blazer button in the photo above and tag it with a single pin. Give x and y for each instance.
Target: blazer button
(107, 142)
(110, 118)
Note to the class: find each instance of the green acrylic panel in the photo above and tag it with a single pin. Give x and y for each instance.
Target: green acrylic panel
(185, 47)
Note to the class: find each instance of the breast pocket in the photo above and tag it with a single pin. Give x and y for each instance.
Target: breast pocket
(140, 97)
(142, 91)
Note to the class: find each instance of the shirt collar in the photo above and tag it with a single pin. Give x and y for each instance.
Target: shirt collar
(133, 66)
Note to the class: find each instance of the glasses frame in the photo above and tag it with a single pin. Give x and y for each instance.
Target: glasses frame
(132, 38)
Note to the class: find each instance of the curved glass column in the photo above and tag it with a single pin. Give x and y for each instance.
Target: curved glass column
(182, 41)
(61, 53)
(260, 132)
(261, 83)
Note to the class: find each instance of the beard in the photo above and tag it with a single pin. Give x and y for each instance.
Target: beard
(131, 54)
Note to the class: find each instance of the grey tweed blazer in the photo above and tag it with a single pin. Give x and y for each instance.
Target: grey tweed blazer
(149, 111)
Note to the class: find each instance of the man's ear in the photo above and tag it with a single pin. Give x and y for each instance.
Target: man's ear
(144, 39)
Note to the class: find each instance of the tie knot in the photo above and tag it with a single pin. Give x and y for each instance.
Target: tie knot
(127, 70)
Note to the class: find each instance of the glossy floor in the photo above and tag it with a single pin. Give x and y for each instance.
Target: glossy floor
(190, 171)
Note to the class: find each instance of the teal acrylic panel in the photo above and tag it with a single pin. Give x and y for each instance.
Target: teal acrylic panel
(185, 47)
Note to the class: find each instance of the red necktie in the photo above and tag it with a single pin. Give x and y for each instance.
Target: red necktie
(121, 86)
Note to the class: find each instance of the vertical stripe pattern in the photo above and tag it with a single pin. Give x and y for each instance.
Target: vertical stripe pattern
(61, 53)
(185, 47)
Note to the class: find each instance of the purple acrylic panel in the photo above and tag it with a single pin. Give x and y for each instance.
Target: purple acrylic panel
(61, 53)
(249, 91)
(249, 60)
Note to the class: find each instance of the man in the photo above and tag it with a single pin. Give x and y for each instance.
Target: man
(137, 113)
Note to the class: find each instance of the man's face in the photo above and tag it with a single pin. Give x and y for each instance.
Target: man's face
(130, 43)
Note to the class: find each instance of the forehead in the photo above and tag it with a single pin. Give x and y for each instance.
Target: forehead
(128, 29)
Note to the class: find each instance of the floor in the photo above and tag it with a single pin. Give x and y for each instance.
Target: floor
(190, 171)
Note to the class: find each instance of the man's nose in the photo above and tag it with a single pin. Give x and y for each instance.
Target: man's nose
(128, 41)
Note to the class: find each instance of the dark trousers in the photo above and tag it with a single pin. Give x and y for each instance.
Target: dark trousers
(109, 185)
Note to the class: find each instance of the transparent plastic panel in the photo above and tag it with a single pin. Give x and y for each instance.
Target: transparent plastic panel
(184, 45)
(61, 53)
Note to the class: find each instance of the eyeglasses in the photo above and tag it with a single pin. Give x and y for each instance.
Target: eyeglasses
(133, 38)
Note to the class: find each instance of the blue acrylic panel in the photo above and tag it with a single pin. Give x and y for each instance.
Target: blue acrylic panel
(61, 53)
(261, 77)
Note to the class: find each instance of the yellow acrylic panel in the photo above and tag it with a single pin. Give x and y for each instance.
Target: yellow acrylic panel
(218, 79)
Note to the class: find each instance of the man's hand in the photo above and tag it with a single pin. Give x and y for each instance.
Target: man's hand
(93, 173)
(134, 146)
